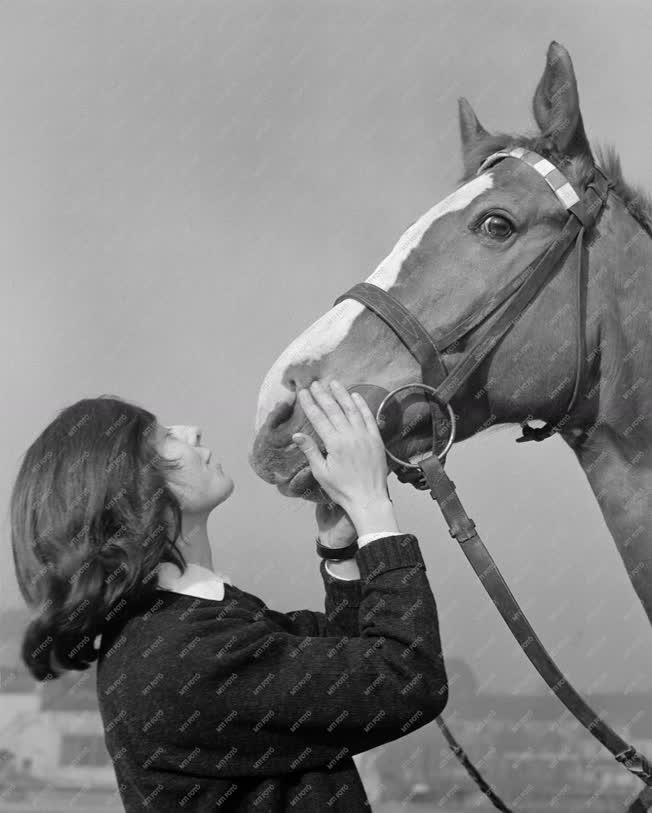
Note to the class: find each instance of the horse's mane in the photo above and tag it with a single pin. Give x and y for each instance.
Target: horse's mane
(578, 169)
(635, 198)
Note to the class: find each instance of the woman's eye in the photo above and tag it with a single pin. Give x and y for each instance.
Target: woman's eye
(497, 227)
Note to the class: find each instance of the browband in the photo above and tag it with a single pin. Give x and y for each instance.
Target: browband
(587, 213)
(555, 179)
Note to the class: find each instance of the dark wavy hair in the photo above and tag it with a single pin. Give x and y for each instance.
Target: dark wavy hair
(91, 518)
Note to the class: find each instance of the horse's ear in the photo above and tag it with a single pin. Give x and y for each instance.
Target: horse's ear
(556, 103)
(471, 130)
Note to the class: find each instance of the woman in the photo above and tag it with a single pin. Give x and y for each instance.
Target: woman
(209, 699)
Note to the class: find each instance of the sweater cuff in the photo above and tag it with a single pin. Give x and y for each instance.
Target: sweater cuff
(388, 553)
(341, 578)
(338, 589)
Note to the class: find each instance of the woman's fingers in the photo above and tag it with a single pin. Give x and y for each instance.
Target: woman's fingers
(331, 414)
(367, 415)
(329, 406)
(311, 451)
(347, 403)
(316, 416)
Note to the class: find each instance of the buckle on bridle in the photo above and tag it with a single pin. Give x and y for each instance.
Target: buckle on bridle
(635, 763)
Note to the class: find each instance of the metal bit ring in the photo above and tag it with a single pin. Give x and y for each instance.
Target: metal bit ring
(451, 416)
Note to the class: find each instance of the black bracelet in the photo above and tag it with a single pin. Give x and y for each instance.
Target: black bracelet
(336, 553)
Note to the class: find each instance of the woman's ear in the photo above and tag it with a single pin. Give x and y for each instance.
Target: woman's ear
(556, 104)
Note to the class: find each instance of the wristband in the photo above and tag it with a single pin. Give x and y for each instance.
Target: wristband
(336, 553)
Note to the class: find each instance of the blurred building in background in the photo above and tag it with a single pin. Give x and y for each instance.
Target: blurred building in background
(51, 736)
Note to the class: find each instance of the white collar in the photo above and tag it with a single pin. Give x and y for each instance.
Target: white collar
(197, 581)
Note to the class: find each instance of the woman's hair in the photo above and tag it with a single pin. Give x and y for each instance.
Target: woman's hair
(91, 518)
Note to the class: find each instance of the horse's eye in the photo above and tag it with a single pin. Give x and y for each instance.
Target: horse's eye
(497, 227)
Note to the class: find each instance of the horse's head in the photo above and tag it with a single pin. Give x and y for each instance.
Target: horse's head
(444, 268)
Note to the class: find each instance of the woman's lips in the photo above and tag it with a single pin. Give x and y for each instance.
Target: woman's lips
(217, 465)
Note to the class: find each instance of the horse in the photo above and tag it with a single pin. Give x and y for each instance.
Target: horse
(448, 264)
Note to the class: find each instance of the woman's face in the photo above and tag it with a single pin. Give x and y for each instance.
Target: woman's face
(200, 483)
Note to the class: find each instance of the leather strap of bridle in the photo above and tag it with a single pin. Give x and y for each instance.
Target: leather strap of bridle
(462, 528)
(470, 768)
(406, 326)
(587, 212)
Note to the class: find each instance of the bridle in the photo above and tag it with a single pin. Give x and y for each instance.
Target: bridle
(516, 295)
(441, 385)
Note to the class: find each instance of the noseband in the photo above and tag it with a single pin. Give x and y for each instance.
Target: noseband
(516, 296)
(442, 385)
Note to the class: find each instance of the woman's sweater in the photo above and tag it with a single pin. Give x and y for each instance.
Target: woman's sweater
(228, 705)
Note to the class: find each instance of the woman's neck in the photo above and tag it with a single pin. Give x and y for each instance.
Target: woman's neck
(195, 543)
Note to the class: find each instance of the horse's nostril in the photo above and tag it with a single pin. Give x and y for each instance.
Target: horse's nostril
(282, 412)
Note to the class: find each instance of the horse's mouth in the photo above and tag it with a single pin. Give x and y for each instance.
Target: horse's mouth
(303, 485)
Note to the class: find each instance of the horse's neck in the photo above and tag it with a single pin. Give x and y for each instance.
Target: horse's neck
(616, 452)
(620, 476)
(618, 307)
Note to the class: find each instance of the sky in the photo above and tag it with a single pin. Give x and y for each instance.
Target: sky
(187, 186)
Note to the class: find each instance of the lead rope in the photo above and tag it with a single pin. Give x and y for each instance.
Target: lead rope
(470, 768)
(462, 529)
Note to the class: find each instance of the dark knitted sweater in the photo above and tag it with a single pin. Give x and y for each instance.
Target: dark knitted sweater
(229, 705)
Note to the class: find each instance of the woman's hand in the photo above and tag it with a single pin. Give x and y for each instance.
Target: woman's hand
(335, 527)
(354, 471)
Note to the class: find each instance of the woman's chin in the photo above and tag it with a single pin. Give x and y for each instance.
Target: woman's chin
(224, 490)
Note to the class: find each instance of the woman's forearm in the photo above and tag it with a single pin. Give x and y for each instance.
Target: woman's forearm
(375, 515)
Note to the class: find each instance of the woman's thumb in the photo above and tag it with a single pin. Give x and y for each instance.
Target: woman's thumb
(308, 447)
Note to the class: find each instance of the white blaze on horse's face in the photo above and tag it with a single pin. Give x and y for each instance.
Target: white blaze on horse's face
(324, 335)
